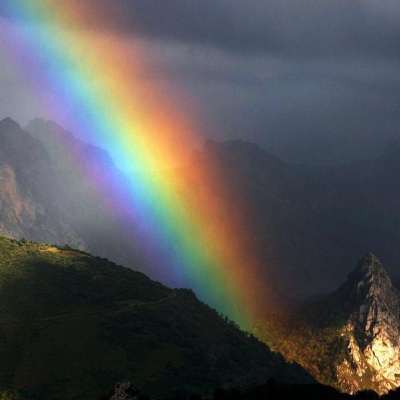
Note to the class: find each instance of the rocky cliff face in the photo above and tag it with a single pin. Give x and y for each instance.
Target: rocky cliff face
(29, 189)
(373, 330)
(355, 331)
(18, 209)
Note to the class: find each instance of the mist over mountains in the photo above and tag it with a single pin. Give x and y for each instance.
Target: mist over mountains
(306, 224)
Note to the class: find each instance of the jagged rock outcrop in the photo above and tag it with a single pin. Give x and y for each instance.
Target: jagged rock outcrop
(354, 331)
(373, 329)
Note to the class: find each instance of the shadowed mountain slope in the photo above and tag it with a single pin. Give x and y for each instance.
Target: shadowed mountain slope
(71, 325)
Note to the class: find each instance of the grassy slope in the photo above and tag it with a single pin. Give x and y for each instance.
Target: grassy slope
(71, 325)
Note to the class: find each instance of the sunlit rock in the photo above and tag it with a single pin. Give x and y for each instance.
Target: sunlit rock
(356, 331)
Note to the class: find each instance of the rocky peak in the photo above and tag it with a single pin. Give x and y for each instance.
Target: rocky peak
(375, 300)
(56, 140)
(52, 134)
(374, 325)
(369, 280)
(8, 123)
(18, 148)
(10, 133)
(356, 330)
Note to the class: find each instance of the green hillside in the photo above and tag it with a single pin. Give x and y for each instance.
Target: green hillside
(71, 325)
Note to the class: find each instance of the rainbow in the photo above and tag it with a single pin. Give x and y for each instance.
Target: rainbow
(102, 85)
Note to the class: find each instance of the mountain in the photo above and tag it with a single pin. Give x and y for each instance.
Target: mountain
(295, 257)
(51, 191)
(59, 143)
(29, 200)
(90, 193)
(350, 338)
(78, 182)
(71, 325)
(305, 226)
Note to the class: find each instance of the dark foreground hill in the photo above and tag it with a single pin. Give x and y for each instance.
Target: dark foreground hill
(271, 390)
(350, 338)
(71, 325)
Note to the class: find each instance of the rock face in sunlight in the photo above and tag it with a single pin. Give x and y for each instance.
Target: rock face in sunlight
(375, 346)
(355, 330)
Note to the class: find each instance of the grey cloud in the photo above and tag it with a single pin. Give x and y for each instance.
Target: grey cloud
(291, 28)
(302, 110)
(294, 28)
(310, 80)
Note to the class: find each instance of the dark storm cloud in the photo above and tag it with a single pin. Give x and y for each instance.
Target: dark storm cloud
(310, 80)
(324, 109)
(301, 28)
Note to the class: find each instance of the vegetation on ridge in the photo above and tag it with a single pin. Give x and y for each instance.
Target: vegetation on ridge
(71, 325)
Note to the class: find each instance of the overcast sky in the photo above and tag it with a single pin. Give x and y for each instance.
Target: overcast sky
(309, 80)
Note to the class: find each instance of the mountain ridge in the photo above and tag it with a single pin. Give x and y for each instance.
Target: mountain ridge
(305, 226)
(71, 325)
(355, 330)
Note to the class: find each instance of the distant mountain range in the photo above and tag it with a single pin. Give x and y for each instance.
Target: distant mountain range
(349, 339)
(48, 195)
(306, 225)
(72, 325)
